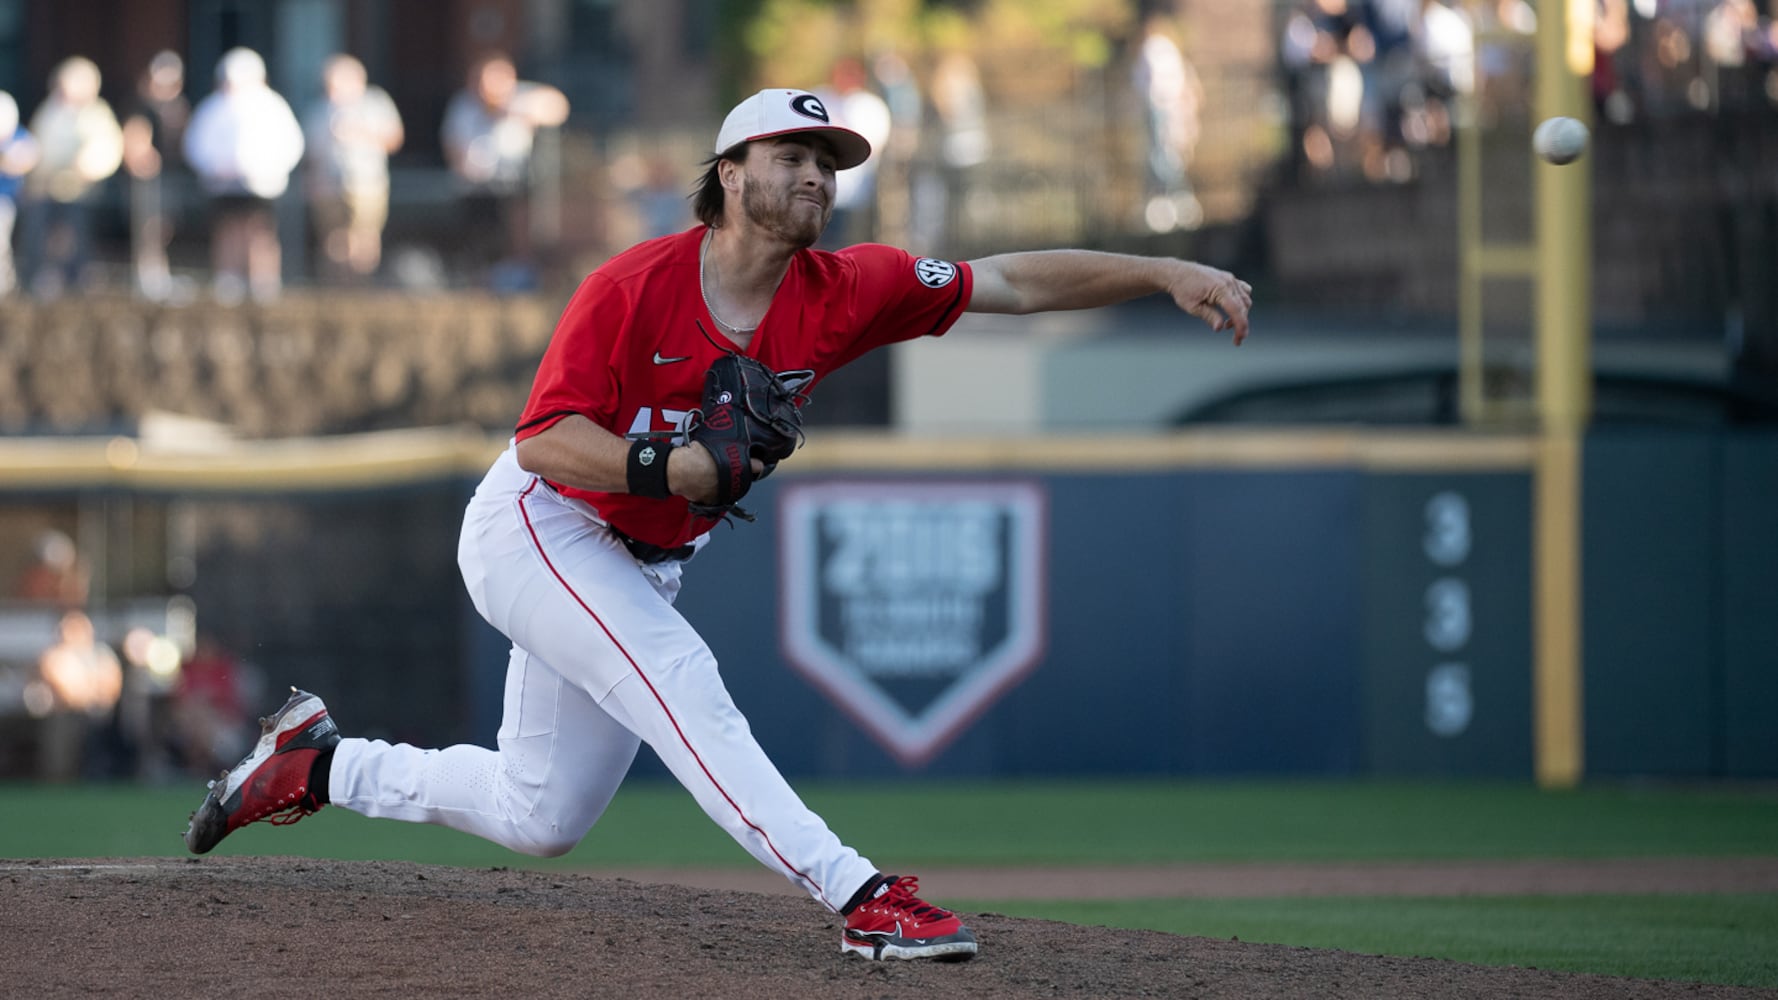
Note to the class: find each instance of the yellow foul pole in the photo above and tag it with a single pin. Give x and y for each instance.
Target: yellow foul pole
(1564, 391)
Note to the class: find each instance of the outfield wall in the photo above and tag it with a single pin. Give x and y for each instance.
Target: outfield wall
(1681, 604)
(1231, 602)
(1260, 604)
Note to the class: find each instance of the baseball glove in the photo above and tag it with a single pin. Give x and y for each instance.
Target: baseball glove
(748, 412)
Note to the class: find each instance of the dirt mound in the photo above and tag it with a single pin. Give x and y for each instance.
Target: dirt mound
(290, 927)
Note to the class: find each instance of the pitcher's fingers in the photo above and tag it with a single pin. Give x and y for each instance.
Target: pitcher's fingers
(1240, 325)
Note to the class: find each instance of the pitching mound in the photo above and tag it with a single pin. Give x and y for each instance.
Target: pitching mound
(289, 927)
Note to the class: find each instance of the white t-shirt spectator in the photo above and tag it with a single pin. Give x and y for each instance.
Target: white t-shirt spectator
(244, 140)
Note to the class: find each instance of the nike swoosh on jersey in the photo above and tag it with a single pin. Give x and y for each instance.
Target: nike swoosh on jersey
(667, 361)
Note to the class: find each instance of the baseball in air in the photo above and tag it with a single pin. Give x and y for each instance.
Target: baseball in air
(1560, 140)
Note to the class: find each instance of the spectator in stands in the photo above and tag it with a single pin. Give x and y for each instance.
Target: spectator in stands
(18, 154)
(1387, 77)
(76, 690)
(80, 145)
(153, 127)
(489, 132)
(960, 109)
(243, 144)
(209, 717)
(1739, 48)
(854, 105)
(1172, 100)
(1301, 73)
(1611, 36)
(655, 191)
(1445, 48)
(351, 132)
(122, 744)
(57, 574)
(903, 218)
(1332, 44)
(1505, 49)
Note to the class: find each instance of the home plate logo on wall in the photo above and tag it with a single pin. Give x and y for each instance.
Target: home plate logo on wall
(913, 605)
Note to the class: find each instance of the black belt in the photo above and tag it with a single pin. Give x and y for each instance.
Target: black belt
(648, 554)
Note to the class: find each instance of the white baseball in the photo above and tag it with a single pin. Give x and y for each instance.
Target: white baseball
(1560, 140)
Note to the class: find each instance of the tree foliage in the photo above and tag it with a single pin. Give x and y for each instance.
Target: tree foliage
(796, 42)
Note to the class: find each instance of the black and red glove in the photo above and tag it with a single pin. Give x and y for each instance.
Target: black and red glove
(749, 412)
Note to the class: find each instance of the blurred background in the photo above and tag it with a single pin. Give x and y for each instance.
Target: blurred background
(1488, 493)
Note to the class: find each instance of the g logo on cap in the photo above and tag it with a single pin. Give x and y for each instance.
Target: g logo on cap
(810, 106)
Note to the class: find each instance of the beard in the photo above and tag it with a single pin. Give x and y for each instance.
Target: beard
(777, 212)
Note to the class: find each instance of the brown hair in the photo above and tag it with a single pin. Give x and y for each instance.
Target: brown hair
(707, 198)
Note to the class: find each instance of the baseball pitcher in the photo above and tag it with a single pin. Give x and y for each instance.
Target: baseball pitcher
(672, 384)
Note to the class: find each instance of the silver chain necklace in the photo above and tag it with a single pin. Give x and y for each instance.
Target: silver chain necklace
(703, 253)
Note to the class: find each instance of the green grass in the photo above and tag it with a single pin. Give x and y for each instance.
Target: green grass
(653, 823)
(1712, 939)
(1722, 939)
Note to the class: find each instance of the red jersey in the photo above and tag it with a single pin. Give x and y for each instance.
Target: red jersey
(629, 355)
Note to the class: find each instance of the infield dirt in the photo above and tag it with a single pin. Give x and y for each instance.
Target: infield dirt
(289, 927)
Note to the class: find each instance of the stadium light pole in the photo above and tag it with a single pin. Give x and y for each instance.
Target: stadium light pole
(1564, 286)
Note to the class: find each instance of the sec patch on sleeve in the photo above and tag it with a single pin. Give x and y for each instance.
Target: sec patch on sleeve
(935, 273)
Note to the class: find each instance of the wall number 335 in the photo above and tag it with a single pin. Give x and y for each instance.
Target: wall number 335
(1450, 702)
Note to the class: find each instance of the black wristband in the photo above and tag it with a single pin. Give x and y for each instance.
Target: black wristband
(646, 470)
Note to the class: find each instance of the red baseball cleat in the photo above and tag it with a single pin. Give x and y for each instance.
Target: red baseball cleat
(895, 923)
(272, 782)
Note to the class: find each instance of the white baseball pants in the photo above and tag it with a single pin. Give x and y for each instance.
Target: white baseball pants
(600, 660)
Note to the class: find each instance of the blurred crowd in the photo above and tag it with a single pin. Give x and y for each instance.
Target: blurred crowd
(168, 159)
(1370, 84)
(86, 706)
(244, 145)
(1372, 81)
